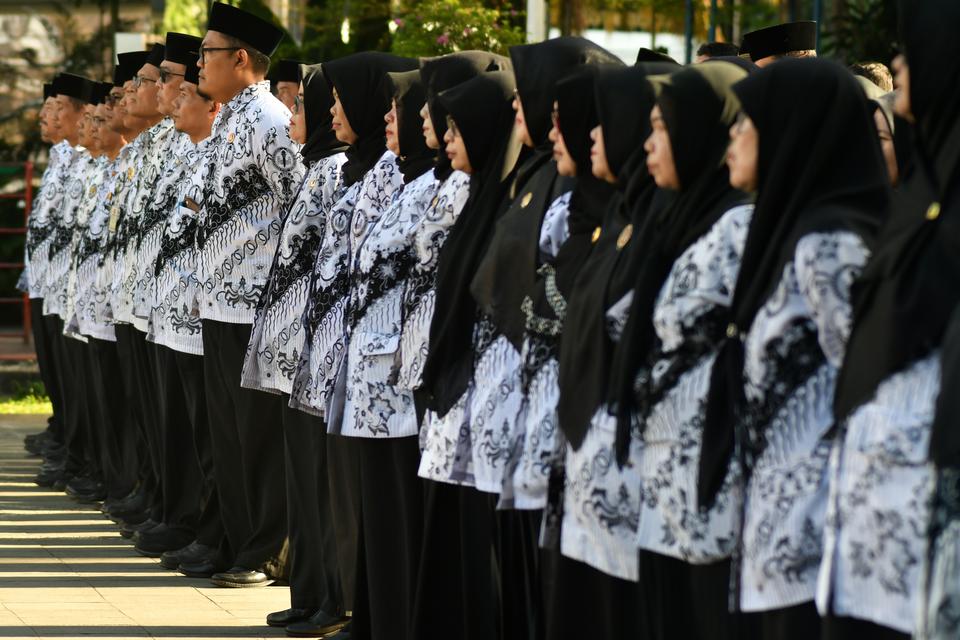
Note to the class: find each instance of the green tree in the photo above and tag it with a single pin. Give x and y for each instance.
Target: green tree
(185, 16)
(436, 27)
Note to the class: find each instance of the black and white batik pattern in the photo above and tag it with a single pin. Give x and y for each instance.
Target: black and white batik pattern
(601, 500)
(77, 285)
(793, 352)
(42, 216)
(253, 171)
(700, 284)
(879, 507)
(175, 317)
(161, 205)
(323, 360)
(374, 406)
(537, 445)
(90, 260)
(278, 334)
(141, 177)
(60, 254)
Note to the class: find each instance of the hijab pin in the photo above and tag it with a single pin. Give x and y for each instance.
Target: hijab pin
(624, 237)
(595, 236)
(526, 199)
(933, 211)
(732, 330)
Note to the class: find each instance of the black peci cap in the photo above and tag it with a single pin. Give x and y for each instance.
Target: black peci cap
(285, 71)
(156, 55)
(48, 90)
(69, 84)
(780, 39)
(192, 74)
(105, 88)
(263, 36)
(182, 48)
(128, 64)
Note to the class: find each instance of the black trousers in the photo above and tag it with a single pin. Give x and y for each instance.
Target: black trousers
(314, 575)
(247, 443)
(135, 441)
(841, 628)
(343, 477)
(47, 365)
(518, 554)
(146, 385)
(68, 377)
(582, 602)
(111, 418)
(799, 622)
(391, 527)
(458, 591)
(179, 468)
(209, 524)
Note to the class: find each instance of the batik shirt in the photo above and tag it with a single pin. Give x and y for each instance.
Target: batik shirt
(879, 506)
(160, 206)
(252, 174)
(175, 317)
(91, 259)
(96, 176)
(793, 352)
(325, 348)
(60, 255)
(278, 334)
(380, 268)
(143, 178)
(42, 214)
(688, 320)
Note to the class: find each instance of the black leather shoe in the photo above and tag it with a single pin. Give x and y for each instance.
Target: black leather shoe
(202, 569)
(81, 485)
(154, 542)
(240, 578)
(127, 531)
(97, 494)
(289, 616)
(49, 474)
(191, 554)
(320, 624)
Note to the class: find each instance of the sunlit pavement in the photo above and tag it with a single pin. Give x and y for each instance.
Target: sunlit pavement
(65, 572)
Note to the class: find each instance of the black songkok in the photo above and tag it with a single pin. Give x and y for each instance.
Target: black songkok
(128, 65)
(263, 36)
(48, 91)
(780, 39)
(156, 55)
(182, 48)
(286, 71)
(192, 74)
(68, 84)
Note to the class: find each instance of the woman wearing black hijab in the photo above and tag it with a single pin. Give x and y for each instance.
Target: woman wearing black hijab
(276, 339)
(508, 270)
(881, 481)
(807, 145)
(372, 181)
(479, 142)
(691, 256)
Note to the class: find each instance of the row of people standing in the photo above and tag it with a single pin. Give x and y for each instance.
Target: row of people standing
(543, 346)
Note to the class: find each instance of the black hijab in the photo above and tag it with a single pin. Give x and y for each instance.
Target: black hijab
(481, 108)
(698, 107)
(359, 81)
(406, 89)
(820, 168)
(507, 274)
(317, 102)
(442, 73)
(912, 283)
(622, 97)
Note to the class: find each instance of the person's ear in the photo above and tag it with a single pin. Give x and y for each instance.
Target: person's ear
(243, 59)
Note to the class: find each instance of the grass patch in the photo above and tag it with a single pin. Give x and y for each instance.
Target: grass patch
(26, 399)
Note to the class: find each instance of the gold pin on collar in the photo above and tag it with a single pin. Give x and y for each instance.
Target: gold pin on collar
(526, 199)
(933, 211)
(624, 237)
(595, 236)
(231, 137)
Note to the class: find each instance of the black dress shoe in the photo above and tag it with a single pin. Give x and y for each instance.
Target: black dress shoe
(127, 531)
(154, 542)
(97, 494)
(201, 569)
(320, 624)
(191, 554)
(289, 616)
(240, 578)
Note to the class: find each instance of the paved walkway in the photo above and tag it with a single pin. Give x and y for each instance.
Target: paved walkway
(65, 572)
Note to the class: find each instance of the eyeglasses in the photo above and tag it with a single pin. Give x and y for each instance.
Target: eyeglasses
(139, 80)
(113, 98)
(297, 104)
(205, 50)
(166, 74)
(452, 127)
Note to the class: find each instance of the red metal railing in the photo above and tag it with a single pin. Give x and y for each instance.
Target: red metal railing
(25, 196)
